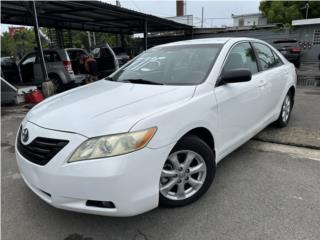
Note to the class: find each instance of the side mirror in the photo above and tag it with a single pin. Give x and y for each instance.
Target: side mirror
(235, 76)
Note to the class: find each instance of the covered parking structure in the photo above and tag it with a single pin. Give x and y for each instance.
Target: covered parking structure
(94, 16)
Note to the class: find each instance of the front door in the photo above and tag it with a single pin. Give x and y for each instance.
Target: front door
(238, 103)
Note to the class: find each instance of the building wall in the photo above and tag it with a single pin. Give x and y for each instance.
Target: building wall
(249, 21)
(304, 34)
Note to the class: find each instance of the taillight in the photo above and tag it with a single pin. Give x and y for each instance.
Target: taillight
(68, 66)
(296, 49)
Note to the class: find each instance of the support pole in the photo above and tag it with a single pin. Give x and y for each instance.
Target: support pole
(123, 43)
(40, 50)
(94, 39)
(89, 40)
(202, 17)
(145, 35)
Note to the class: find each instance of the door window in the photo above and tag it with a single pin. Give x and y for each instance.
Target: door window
(30, 59)
(278, 61)
(265, 56)
(241, 56)
(49, 56)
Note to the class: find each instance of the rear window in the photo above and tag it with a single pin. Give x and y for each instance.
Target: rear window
(75, 54)
(103, 52)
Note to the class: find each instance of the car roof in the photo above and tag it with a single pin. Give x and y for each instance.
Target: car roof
(207, 41)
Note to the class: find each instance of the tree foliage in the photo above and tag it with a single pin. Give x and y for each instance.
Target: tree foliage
(19, 44)
(23, 42)
(286, 11)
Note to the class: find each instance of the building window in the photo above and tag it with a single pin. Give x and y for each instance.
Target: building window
(316, 37)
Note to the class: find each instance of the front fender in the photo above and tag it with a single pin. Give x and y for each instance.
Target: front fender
(199, 111)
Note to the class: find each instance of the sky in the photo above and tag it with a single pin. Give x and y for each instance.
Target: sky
(216, 13)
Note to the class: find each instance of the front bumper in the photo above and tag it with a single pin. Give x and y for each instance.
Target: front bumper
(130, 181)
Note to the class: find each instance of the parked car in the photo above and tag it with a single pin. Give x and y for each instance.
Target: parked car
(62, 66)
(9, 70)
(121, 55)
(106, 59)
(290, 49)
(153, 132)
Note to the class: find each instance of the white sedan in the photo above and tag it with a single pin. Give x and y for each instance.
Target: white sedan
(153, 132)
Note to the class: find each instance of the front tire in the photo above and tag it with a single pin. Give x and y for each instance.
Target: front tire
(285, 113)
(187, 173)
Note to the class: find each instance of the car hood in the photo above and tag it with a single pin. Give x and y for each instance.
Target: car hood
(105, 107)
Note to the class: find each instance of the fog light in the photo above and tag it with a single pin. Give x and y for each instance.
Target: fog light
(102, 204)
(108, 204)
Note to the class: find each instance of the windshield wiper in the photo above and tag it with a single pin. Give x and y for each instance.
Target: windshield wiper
(141, 81)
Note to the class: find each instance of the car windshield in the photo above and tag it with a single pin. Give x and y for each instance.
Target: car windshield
(170, 65)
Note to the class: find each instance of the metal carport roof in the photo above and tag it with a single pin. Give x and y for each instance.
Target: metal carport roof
(85, 15)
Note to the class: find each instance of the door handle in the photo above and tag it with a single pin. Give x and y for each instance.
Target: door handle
(262, 83)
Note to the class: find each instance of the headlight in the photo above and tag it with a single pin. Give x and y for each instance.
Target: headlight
(112, 145)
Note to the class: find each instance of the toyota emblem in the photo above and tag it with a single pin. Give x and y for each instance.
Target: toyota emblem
(25, 135)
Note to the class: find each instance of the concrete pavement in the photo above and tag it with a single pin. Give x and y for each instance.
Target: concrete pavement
(304, 126)
(260, 192)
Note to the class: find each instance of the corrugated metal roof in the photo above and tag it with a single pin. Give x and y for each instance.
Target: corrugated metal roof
(85, 15)
(306, 21)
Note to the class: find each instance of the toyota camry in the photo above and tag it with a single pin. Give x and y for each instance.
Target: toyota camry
(153, 132)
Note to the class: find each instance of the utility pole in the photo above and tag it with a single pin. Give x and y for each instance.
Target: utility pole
(307, 9)
(202, 17)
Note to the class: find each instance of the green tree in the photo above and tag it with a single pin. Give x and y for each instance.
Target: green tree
(19, 44)
(286, 11)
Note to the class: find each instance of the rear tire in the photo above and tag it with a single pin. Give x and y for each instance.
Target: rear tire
(56, 80)
(188, 172)
(285, 113)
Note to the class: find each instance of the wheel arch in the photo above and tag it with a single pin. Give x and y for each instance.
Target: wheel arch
(59, 75)
(202, 133)
(292, 90)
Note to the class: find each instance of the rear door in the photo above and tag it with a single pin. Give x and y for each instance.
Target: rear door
(273, 77)
(53, 62)
(26, 68)
(239, 103)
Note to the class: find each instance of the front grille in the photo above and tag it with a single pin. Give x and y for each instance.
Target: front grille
(41, 150)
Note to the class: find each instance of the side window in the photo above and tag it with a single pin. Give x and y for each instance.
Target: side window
(278, 61)
(51, 56)
(30, 59)
(241, 56)
(265, 56)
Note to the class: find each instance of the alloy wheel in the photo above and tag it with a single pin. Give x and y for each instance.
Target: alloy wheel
(183, 175)
(286, 108)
